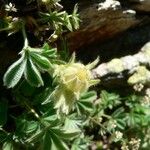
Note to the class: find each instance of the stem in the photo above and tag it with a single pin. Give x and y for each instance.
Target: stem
(1, 129)
(25, 37)
(28, 107)
(106, 116)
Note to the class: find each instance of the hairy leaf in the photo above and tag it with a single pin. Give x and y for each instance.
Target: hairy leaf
(32, 74)
(14, 73)
(41, 61)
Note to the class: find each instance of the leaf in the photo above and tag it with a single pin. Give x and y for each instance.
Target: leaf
(52, 142)
(72, 123)
(47, 142)
(64, 134)
(84, 107)
(41, 61)
(26, 127)
(46, 46)
(49, 51)
(14, 73)
(85, 103)
(26, 89)
(32, 75)
(37, 136)
(75, 19)
(7, 146)
(57, 144)
(88, 96)
(3, 112)
(67, 22)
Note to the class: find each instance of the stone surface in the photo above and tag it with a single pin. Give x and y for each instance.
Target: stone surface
(125, 68)
(105, 20)
(99, 25)
(141, 5)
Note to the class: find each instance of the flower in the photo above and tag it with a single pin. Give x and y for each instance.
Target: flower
(10, 7)
(72, 79)
(124, 146)
(118, 135)
(138, 87)
(135, 143)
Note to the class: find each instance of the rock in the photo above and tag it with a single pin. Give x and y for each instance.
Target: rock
(133, 69)
(101, 22)
(141, 5)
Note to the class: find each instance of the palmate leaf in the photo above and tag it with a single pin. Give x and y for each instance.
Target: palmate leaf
(72, 123)
(32, 75)
(25, 127)
(65, 134)
(51, 53)
(57, 143)
(14, 73)
(85, 104)
(41, 61)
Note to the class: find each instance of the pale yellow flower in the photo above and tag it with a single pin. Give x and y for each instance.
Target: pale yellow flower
(72, 79)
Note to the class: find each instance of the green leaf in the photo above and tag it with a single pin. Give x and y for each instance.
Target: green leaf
(32, 75)
(67, 22)
(14, 73)
(41, 61)
(3, 112)
(49, 51)
(26, 89)
(75, 19)
(72, 123)
(85, 103)
(26, 127)
(51, 141)
(47, 142)
(64, 134)
(37, 136)
(57, 144)
(88, 96)
(7, 146)
(46, 46)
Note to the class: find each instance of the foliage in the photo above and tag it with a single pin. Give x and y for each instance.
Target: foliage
(52, 105)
